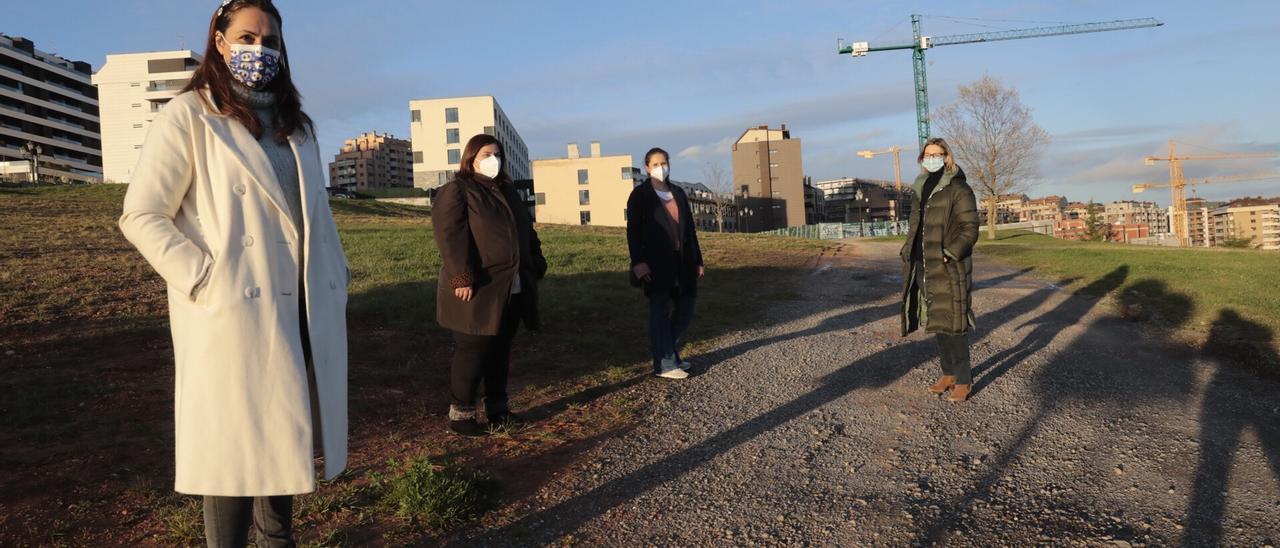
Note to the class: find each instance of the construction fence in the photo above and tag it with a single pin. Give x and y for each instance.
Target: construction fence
(840, 231)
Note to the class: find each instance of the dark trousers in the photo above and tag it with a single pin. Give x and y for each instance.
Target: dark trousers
(487, 358)
(670, 315)
(227, 521)
(953, 350)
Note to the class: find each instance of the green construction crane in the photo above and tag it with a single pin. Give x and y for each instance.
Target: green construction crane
(919, 43)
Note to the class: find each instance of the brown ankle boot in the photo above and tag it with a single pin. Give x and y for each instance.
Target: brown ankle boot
(943, 384)
(959, 393)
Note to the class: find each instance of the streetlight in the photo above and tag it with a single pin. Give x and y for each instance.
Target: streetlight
(32, 152)
(896, 151)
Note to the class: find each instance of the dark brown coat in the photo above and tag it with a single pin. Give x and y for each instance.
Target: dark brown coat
(652, 239)
(486, 238)
(950, 224)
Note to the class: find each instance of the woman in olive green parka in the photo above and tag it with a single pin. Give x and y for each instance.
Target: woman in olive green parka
(938, 267)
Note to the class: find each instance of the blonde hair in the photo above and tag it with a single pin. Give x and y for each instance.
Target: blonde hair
(948, 161)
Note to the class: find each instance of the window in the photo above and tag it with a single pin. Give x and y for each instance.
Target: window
(455, 156)
(584, 217)
(137, 126)
(416, 116)
(488, 130)
(451, 115)
(540, 198)
(584, 197)
(626, 174)
(137, 105)
(451, 136)
(135, 84)
(582, 177)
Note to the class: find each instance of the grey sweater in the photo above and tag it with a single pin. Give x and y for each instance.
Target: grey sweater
(280, 155)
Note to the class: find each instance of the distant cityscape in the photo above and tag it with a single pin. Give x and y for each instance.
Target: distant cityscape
(60, 122)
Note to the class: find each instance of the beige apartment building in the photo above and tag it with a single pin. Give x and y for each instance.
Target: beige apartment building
(1200, 229)
(1130, 212)
(1049, 208)
(578, 190)
(1253, 219)
(373, 161)
(132, 89)
(768, 173)
(440, 129)
(51, 103)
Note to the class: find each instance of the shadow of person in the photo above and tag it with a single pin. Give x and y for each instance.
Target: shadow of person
(1047, 327)
(1077, 373)
(1233, 341)
(873, 371)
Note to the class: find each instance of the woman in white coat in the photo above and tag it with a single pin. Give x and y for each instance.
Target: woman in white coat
(228, 204)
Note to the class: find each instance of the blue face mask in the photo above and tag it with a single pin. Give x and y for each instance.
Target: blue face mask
(253, 66)
(932, 164)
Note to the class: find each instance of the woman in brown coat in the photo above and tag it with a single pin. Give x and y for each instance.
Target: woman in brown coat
(937, 267)
(491, 261)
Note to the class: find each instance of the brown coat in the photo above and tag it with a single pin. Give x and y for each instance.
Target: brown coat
(950, 224)
(486, 238)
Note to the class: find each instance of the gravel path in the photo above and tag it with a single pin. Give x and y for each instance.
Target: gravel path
(1086, 430)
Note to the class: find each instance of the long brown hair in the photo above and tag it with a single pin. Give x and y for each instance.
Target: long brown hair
(467, 168)
(214, 76)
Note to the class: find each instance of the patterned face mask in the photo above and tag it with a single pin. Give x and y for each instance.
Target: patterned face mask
(254, 66)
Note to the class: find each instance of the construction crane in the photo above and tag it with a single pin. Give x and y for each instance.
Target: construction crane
(1179, 184)
(896, 151)
(919, 43)
(1140, 187)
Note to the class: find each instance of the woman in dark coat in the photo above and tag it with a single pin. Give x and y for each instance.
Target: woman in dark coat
(666, 259)
(937, 265)
(491, 261)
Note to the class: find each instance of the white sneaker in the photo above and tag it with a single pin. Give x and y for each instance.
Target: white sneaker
(676, 373)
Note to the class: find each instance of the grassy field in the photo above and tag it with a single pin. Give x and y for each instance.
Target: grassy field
(1246, 281)
(1243, 280)
(86, 374)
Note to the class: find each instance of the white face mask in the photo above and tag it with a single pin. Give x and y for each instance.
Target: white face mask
(490, 167)
(660, 173)
(932, 164)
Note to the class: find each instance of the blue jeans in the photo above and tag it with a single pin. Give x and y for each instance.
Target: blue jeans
(669, 317)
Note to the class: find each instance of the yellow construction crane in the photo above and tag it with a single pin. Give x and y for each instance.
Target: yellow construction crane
(1179, 184)
(896, 151)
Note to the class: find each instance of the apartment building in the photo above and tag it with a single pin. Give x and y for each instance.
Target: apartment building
(1253, 219)
(373, 161)
(768, 173)
(51, 103)
(132, 89)
(440, 129)
(1130, 212)
(584, 190)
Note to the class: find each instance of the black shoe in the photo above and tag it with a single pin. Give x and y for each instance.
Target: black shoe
(505, 419)
(469, 428)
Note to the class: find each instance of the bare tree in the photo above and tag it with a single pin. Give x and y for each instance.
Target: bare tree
(994, 139)
(722, 198)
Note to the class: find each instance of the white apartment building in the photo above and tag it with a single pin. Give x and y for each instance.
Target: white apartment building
(132, 88)
(440, 129)
(577, 190)
(1133, 212)
(50, 102)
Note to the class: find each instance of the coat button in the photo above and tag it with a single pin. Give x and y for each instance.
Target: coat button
(251, 292)
(247, 241)
(240, 189)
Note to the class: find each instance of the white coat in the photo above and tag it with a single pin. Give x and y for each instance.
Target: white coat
(204, 202)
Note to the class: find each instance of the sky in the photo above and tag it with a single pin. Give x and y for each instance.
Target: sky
(692, 76)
